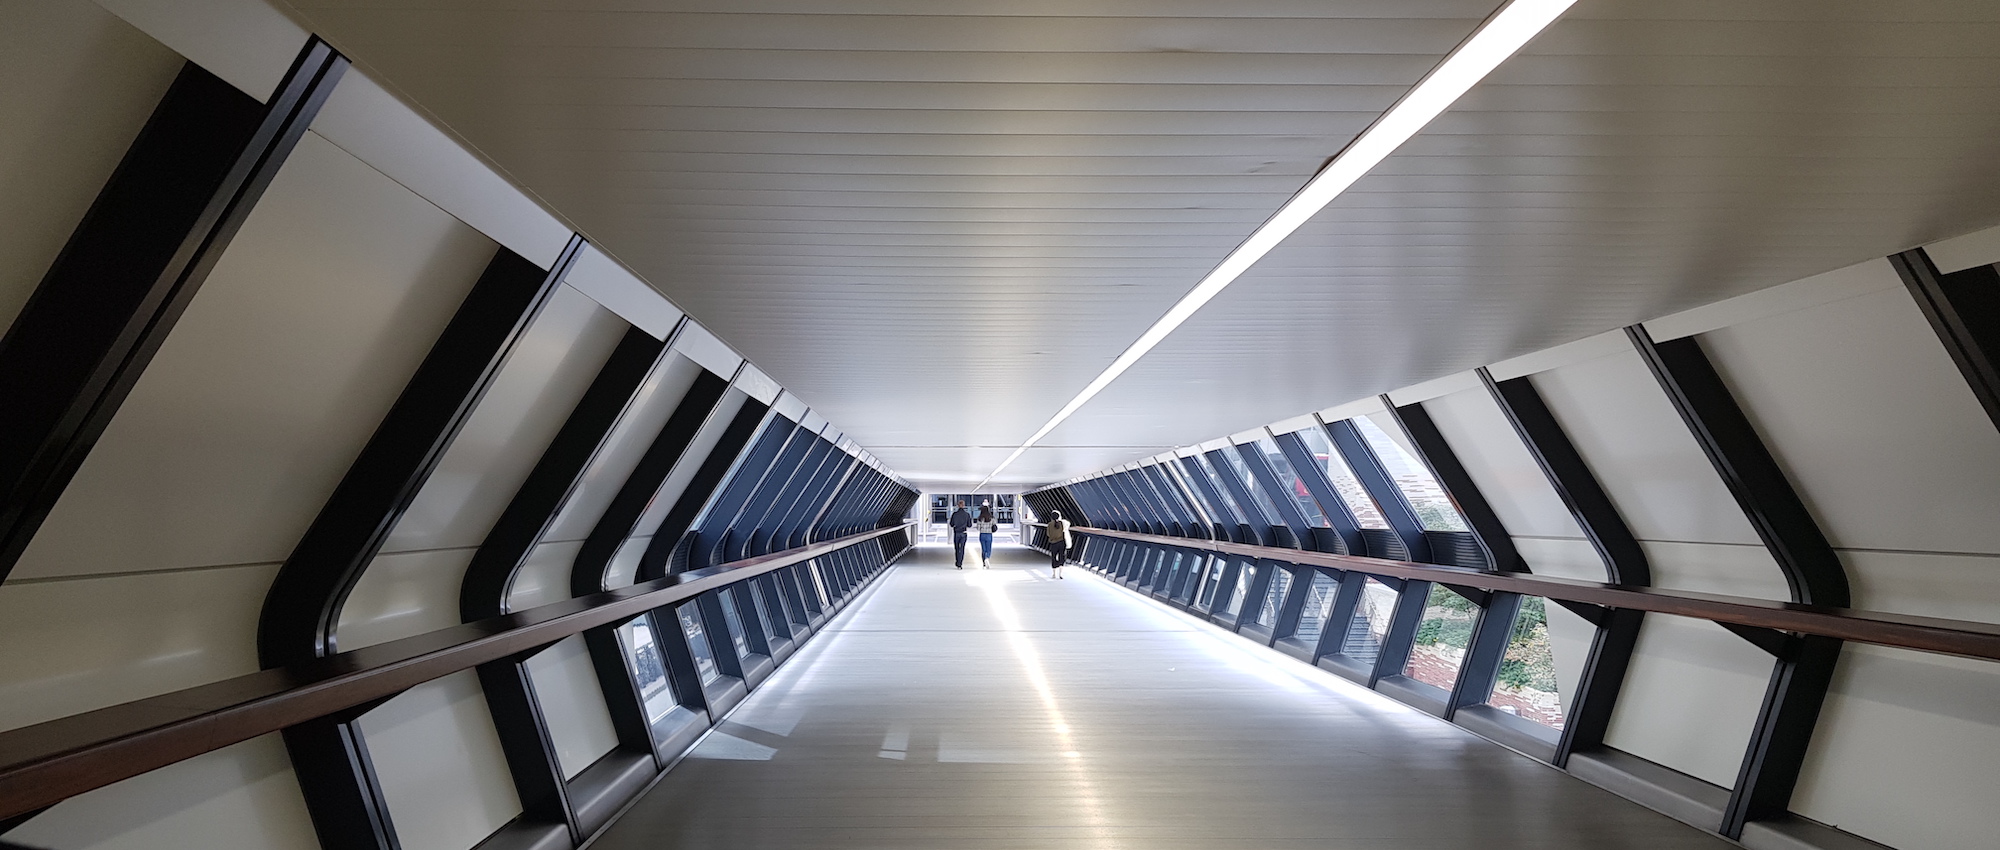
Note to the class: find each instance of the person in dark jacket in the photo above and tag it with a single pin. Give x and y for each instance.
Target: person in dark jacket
(961, 521)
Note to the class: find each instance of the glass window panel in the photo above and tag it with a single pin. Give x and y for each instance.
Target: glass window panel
(649, 668)
(1222, 491)
(756, 595)
(1274, 597)
(1209, 572)
(1442, 636)
(734, 621)
(1178, 474)
(1527, 685)
(1163, 483)
(1242, 470)
(1427, 497)
(1345, 485)
(1370, 626)
(1244, 576)
(1319, 605)
(819, 584)
(704, 656)
(1296, 489)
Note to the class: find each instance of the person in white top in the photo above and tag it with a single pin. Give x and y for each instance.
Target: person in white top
(985, 526)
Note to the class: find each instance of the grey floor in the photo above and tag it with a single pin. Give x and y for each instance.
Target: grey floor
(998, 708)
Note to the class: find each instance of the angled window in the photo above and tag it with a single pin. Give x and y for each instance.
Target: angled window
(1246, 575)
(1442, 636)
(1370, 627)
(1220, 489)
(734, 620)
(1319, 606)
(1288, 478)
(697, 637)
(649, 667)
(1427, 497)
(1211, 573)
(1178, 472)
(1248, 480)
(1344, 483)
(1274, 597)
(1527, 685)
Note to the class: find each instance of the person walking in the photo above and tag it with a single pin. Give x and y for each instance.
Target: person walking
(1058, 535)
(960, 522)
(985, 526)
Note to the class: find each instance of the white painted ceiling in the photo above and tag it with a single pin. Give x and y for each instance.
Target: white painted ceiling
(937, 221)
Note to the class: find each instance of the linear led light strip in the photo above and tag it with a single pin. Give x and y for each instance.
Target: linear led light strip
(1495, 40)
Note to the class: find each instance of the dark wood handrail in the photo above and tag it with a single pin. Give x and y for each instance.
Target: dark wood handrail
(1903, 631)
(49, 762)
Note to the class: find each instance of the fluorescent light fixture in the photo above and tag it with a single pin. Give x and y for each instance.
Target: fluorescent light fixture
(1497, 39)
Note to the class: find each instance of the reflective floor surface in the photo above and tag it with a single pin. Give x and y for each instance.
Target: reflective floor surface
(1001, 709)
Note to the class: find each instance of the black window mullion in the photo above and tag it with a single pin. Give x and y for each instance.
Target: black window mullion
(1237, 491)
(1803, 673)
(129, 270)
(762, 525)
(301, 612)
(721, 460)
(715, 529)
(695, 411)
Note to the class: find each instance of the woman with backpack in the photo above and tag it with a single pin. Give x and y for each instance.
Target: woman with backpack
(1058, 534)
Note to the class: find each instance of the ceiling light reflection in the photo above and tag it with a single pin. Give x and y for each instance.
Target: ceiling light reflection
(1500, 37)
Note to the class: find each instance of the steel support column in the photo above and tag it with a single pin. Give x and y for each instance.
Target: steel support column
(1797, 690)
(302, 609)
(1624, 560)
(1964, 308)
(128, 272)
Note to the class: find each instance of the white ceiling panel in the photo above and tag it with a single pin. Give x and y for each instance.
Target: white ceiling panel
(937, 222)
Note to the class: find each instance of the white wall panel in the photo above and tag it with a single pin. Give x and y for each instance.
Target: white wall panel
(1872, 422)
(365, 120)
(248, 43)
(1641, 451)
(1506, 474)
(273, 380)
(403, 594)
(652, 406)
(76, 84)
(242, 797)
(544, 577)
(1902, 727)
(572, 704)
(1561, 557)
(521, 412)
(76, 644)
(1978, 248)
(1953, 585)
(702, 346)
(624, 569)
(1570, 637)
(440, 764)
(759, 385)
(622, 292)
(1690, 698)
(691, 460)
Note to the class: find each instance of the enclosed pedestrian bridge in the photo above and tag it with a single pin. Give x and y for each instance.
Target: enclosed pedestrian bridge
(536, 426)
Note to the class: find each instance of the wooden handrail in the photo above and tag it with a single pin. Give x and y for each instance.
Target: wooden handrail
(1903, 631)
(49, 762)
